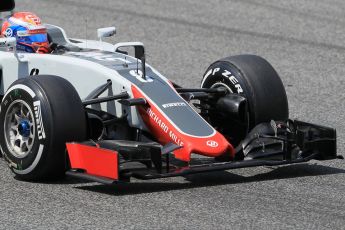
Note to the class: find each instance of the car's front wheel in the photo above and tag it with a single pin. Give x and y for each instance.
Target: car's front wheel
(256, 80)
(39, 114)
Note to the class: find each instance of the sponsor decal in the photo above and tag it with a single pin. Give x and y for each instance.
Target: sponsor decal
(33, 19)
(212, 143)
(99, 56)
(174, 104)
(22, 33)
(138, 74)
(37, 31)
(39, 122)
(8, 32)
(27, 25)
(21, 47)
(164, 127)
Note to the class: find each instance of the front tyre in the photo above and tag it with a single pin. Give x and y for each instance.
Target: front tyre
(255, 79)
(40, 114)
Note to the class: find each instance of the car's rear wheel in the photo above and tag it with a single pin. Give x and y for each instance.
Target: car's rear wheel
(255, 79)
(39, 115)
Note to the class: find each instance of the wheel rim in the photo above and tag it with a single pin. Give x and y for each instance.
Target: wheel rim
(221, 85)
(19, 128)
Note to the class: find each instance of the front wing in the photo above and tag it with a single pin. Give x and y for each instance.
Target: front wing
(113, 161)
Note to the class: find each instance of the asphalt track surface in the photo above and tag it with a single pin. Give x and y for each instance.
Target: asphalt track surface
(303, 39)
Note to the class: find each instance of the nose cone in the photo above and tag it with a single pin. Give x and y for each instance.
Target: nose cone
(213, 146)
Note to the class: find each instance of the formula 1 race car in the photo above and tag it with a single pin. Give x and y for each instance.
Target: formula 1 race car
(90, 110)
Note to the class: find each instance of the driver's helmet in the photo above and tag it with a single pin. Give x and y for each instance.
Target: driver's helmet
(27, 28)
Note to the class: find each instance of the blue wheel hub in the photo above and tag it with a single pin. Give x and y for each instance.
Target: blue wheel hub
(24, 128)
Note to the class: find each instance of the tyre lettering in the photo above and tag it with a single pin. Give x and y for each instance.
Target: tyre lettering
(215, 70)
(16, 93)
(233, 80)
(11, 164)
(211, 71)
(33, 165)
(239, 88)
(39, 122)
(23, 87)
(227, 74)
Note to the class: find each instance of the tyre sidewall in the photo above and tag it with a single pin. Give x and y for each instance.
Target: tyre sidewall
(224, 73)
(257, 80)
(30, 93)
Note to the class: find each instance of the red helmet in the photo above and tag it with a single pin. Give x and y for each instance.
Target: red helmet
(31, 35)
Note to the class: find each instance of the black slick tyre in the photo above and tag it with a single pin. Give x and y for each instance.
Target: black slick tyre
(256, 80)
(40, 114)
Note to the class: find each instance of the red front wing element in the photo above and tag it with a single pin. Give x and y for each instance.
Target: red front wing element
(213, 146)
(95, 161)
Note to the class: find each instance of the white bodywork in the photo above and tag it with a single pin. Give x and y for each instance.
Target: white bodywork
(84, 75)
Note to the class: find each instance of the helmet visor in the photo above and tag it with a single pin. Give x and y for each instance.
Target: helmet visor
(34, 38)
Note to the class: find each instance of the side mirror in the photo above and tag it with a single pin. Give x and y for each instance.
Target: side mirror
(7, 5)
(106, 32)
(8, 42)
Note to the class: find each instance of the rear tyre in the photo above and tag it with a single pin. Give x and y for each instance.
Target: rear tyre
(40, 114)
(256, 80)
